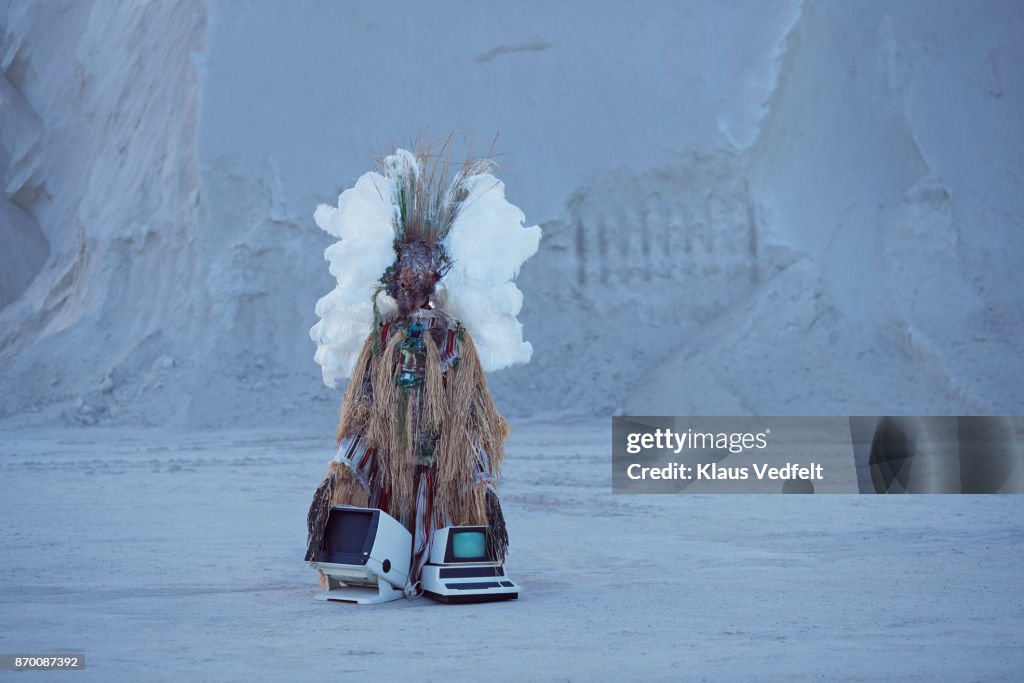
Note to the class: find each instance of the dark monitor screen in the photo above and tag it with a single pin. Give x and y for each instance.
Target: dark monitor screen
(349, 535)
(467, 545)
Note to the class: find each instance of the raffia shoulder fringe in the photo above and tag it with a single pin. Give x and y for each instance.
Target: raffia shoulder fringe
(452, 412)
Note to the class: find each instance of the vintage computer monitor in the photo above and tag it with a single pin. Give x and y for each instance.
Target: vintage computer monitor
(365, 556)
(460, 570)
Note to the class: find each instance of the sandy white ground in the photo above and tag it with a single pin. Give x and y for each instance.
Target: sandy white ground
(172, 556)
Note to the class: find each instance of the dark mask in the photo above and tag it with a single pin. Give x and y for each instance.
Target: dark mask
(411, 279)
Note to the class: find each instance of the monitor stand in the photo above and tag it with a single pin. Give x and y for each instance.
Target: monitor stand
(363, 595)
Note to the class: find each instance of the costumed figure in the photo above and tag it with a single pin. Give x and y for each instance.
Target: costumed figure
(425, 303)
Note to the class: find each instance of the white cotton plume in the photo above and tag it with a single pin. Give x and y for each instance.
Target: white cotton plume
(401, 164)
(363, 222)
(487, 244)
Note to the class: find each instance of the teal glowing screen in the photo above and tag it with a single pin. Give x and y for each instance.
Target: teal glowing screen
(467, 545)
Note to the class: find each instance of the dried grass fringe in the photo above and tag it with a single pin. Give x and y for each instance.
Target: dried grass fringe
(355, 407)
(474, 505)
(384, 431)
(316, 518)
(433, 388)
(497, 533)
(347, 489)
(470, 419)
(455, 406)
(339, 487)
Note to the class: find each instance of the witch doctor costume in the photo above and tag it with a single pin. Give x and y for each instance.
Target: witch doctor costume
(425, 304)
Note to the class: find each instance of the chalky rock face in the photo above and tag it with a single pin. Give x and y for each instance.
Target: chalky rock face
(846, 176)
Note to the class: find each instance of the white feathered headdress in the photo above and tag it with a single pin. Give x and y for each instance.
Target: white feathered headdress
(480, 234)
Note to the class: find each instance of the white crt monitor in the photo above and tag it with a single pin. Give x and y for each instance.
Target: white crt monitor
(365, 555)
